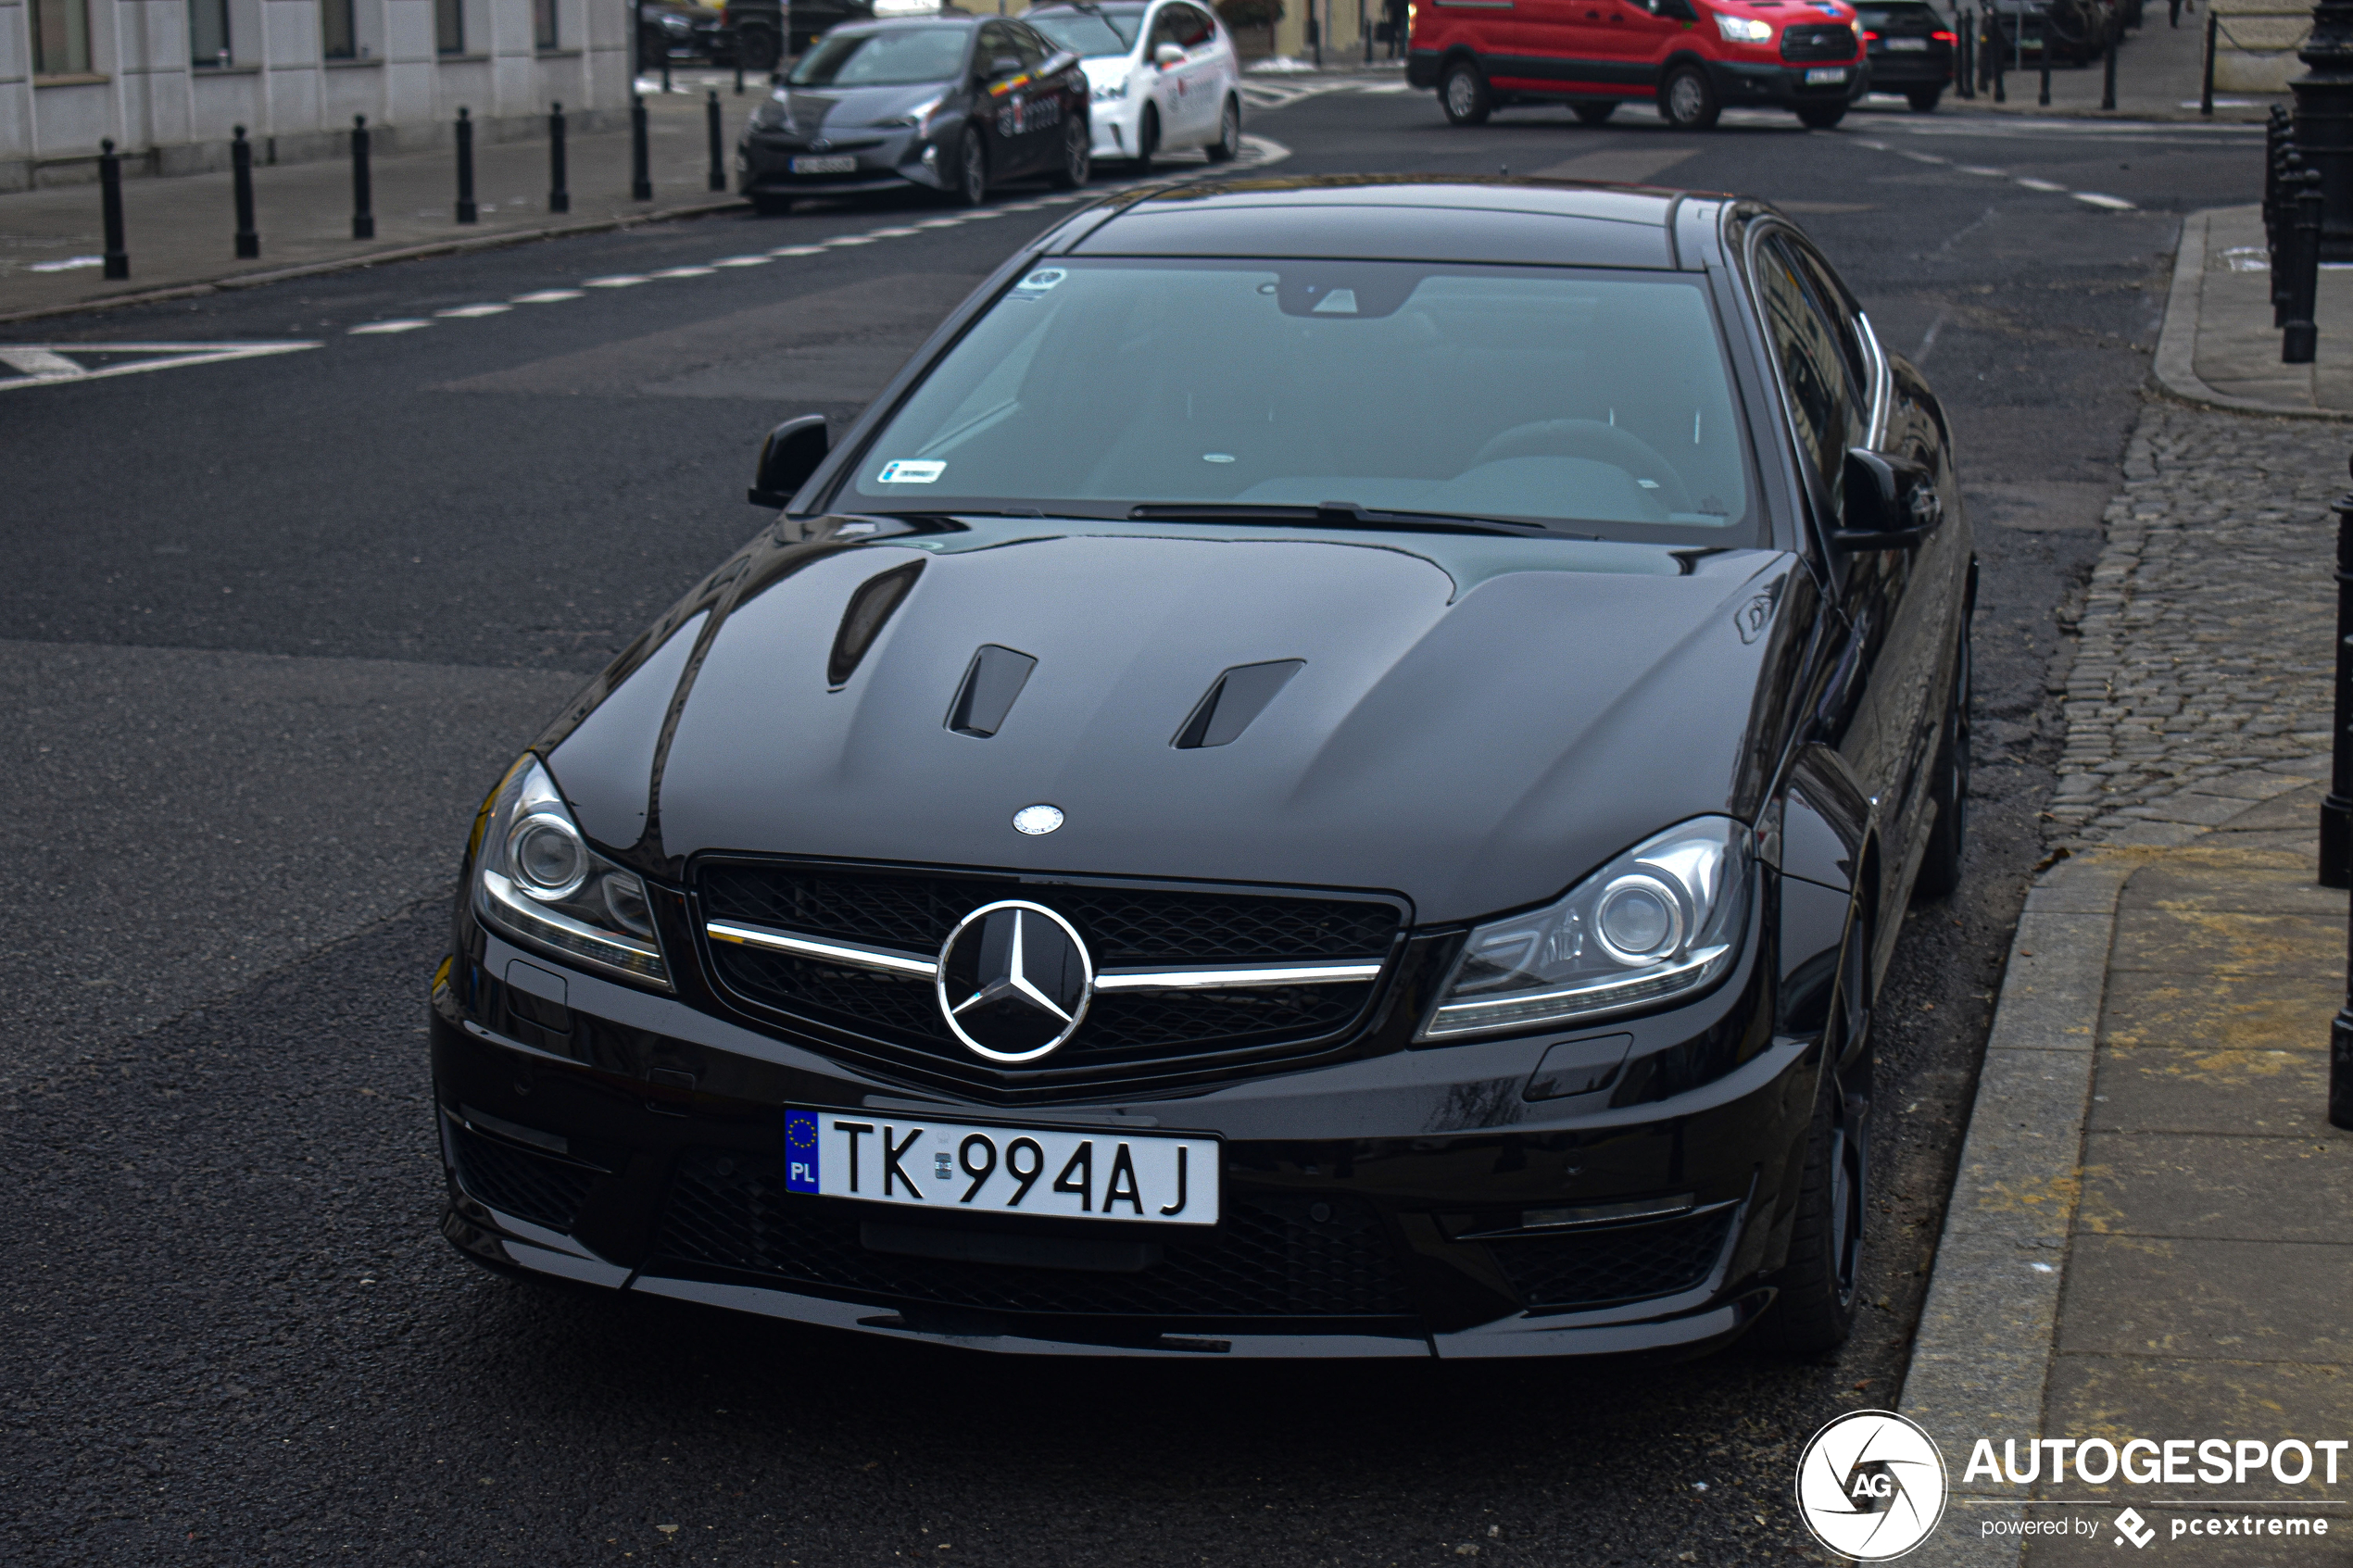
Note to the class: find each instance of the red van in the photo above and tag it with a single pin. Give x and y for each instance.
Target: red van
(1692, 58)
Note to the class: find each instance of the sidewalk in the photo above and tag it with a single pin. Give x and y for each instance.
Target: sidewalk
(2159, 72)
(179, 231)
(2220, 346)
(2151, 1234)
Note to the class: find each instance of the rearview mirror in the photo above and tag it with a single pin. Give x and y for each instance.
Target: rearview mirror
(1168, 55)
(787, 457)
(1890, 504)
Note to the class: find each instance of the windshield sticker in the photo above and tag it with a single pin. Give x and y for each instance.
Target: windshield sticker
(906, 470)
(1339, 302)
(1038, 283)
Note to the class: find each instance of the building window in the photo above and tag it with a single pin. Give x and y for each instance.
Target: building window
(543, 16)
(60, 37)
(449, 25)
(337, 31)
(208, 32)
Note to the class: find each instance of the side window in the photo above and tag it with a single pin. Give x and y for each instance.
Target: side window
(1032, 49)
(1167, 28)
(1824, 286)
(1821, 395)
(1196, 30)
(995, 39)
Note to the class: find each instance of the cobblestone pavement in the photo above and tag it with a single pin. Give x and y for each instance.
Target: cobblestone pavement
(2201, 679)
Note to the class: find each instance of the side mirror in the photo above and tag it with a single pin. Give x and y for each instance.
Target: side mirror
(1890, 505)
(787, 457)
(1168, 55)
(1004, 65)
(1060, 62)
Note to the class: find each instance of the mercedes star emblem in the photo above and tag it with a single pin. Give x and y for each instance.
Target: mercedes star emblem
(1013, 981)
(1035, 820)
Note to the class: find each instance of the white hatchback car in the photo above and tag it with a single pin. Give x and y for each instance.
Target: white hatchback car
(1165, 76)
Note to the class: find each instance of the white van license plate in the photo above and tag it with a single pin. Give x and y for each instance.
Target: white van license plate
(1073, 1174)
(840, 163)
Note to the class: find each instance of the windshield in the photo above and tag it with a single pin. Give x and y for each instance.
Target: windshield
(1594, 402)
(897, 57)
(1090, 33)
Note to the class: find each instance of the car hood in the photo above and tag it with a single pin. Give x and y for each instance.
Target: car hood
(1107, 70)
(1476, 723)
(807, 109)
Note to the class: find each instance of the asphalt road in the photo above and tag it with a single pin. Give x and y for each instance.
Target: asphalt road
(272, 625)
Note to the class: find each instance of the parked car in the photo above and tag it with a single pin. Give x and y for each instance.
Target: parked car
(771, 31)
(953, 104)
(1242, 868)
(1692, 58)
(1165, 76)
(680, 31)
(2073, 31)
(1910, 47)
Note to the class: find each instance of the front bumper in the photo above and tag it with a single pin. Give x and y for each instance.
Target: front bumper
(1786, 86)
(886, 159)
(1377, 1207)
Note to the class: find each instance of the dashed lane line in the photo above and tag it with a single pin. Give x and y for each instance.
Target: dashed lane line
(375, 327)
(2090, 198)
(51, 364)
(470, 312)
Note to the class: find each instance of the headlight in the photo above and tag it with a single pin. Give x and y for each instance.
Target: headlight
(916, 116)
(536, 880)
(1108, 91)
(1661, 920)
(1743, 30)
(676, 24)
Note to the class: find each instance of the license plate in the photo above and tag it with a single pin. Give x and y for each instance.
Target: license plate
(838, 163)
(1834, 73)
(1913, 44)
(1072, 1173)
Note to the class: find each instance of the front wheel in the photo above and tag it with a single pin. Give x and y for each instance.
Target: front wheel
(1077, 165)
(1687, 99)
(1147, 140)
(1228, 144)
(758, 50)
(1822, 118)
(1815, 1311)
(1594, 114)
(1924, 99)
(1462, 92)
(968, 172)
(1940, 870)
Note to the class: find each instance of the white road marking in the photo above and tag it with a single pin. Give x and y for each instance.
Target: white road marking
(48, 365)
(1916, 157)
(681, 272)
(2039, 184)
(70, 264)
(1975, 169)
(374, 327)
(2112, 203)
(796, 250)
(938, 223)
(626, 281)
(547, 296)
(468, 312)
(742, 261)
(889, 234)
(851, 240)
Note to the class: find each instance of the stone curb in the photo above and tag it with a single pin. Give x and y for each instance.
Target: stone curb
(2177, 343)
(1983, 1351)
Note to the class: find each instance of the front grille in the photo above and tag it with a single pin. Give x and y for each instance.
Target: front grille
(1818, 41)
(1627, 1264)
(1122, 1034)
(530, 1187)
(1270, 1256)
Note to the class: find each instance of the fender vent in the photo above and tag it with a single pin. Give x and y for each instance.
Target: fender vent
(992, 681)
(1239, 695)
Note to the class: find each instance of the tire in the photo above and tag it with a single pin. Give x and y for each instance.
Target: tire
(771, 207)
(1462, 93)
(968, 171)
(1079, 158)
(1594, 113)
(1924, 99)
(1228, 144)
(758, 50)
(1821, 118)
(1687, 99)
(1147, 140)
(1815, 1311)
(1939, 872)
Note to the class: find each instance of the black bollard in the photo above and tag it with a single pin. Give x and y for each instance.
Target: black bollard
(2301, 336)
(241, 165)
(363, 208)
(2000, 51)
(2336, 811)
(465, 213)
(558, 194)
(110, 210)
(665, 71)
(2205, 93)
(739, 73)
(2282, 238)
(718, 154)
(641, 179)
(2108, 70)
(1965, 40)
(2044, 99)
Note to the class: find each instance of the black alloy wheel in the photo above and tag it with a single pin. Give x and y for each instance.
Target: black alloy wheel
(1147, 140)
(1940, 870)
(1592, 113)
(1821, 118)
(1687, 99)
(1462, 93)
(1079, 160)
(1228, 144)
(1813, 1310)
(1924, 99)
(968, 170)
(757, 49)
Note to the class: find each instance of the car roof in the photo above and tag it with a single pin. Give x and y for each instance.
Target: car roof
(931, 18)
(1406, 217)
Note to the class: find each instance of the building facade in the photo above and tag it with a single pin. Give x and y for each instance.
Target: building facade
(166, 81)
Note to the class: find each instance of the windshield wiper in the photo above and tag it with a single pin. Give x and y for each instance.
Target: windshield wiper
(1345, 514)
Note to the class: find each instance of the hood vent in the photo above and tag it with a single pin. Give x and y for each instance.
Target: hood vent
(1239, 695)
(992, 681)
(870, 609)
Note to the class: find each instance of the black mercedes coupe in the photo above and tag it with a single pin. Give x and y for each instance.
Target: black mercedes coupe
(1381, 845)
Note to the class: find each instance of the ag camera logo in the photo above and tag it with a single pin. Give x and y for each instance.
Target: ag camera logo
(1871, 1486)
